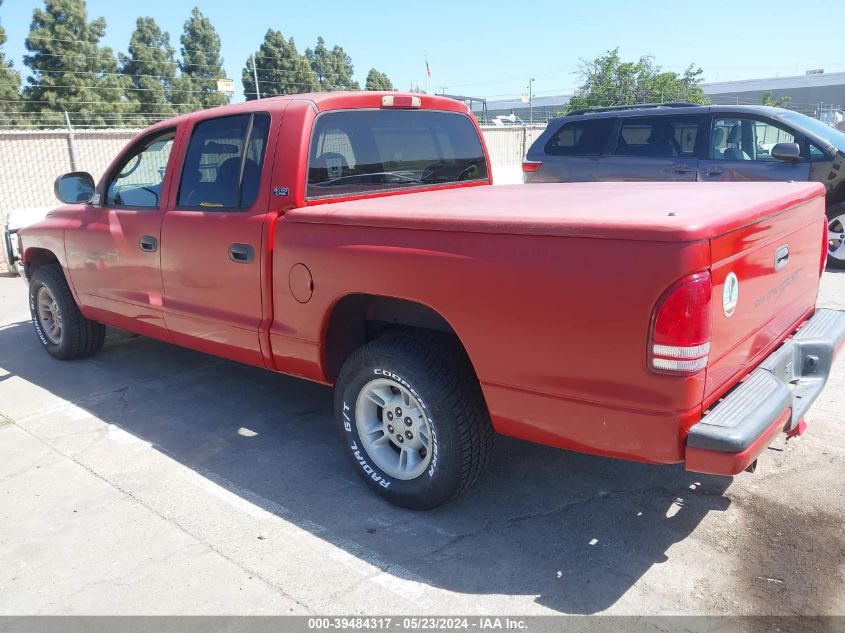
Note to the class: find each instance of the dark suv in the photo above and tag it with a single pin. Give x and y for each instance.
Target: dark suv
(689, 142)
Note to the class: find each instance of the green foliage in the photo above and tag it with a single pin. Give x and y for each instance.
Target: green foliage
(70, 71)
(378, 81)
(10, 85)
(333, 68)
(281, 69)
(609, 81)
(768, 100)
(151, 69)
(201, 66)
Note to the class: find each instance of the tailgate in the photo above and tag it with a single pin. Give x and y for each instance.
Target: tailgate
(765, 281)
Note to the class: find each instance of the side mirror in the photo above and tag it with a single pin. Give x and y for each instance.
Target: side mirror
(77, 187)
(786, 151)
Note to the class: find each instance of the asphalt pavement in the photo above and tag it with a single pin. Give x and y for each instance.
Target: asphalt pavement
(156, 480)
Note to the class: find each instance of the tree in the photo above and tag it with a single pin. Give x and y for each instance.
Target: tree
(70, 71)
(781, 102)
(151, 68)
(281, 69)
(10, 85)
(201, 66)
(333, 68)
(378, 81)
(609, 81)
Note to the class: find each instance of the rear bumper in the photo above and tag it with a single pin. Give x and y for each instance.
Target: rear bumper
(772, 399)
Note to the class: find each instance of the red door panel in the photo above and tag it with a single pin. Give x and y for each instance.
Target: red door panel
(212, 236)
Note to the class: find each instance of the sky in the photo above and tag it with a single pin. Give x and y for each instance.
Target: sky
(491, 49)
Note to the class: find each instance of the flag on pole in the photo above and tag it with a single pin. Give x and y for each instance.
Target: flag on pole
(427, 69)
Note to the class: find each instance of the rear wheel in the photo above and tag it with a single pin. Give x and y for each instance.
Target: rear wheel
(62, 329)
(836, 236)
(413, 419)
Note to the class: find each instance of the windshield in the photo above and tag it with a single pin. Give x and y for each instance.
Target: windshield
(818, 129)
(359, 151)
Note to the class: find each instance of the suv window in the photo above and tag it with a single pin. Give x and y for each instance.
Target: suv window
(658, 137)
(817, 155)
(356, 151)
(224, 161)
(737, 138)
(581, 138)
(137, 181)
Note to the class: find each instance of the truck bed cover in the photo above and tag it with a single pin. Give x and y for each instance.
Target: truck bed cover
(648, 211)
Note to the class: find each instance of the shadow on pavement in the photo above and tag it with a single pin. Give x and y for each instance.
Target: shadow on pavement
(574, 530)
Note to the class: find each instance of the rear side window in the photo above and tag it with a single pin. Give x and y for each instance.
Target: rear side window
(581, 138)
(224, 161)
(357, 151)
(658, 137)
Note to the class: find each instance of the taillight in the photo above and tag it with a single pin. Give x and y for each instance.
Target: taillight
(530, 165)
(680, 334)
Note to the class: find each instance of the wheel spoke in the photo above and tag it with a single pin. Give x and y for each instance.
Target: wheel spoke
(838, 251)
(378, 438)
(408, 459)
(380, 397)
(423, 435)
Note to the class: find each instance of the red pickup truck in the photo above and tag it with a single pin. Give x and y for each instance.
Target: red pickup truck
(353, 239)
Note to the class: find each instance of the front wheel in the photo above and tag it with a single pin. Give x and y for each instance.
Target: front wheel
(836, 236)
(413, 419)
(62, 329)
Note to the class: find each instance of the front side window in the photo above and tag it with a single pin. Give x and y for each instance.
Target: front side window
(658, 137)
(358, 151)
(746, 139)
(137, 181)
(581, 138)
(223, 163)
(817, 155)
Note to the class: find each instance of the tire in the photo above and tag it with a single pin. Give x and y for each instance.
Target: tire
(836, 248)
(75, 337)
(449, 434)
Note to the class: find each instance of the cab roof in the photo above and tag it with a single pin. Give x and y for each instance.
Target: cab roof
(323, 102)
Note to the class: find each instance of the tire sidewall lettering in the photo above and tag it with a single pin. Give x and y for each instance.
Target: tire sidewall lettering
(39, 331)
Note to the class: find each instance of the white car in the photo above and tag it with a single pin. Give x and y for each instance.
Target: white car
(19, 218)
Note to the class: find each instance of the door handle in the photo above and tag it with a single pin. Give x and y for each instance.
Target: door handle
(781, 256)
(714, 171)
(148, 244)
(682, 169)
(241, 253)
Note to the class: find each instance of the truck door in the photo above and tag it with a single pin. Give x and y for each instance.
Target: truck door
(659, 147)
(739, 150)
(211, 236)
(113, 254)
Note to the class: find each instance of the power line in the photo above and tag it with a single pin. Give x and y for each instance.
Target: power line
(148, 46)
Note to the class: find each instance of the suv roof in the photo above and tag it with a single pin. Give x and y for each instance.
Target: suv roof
(668, 109)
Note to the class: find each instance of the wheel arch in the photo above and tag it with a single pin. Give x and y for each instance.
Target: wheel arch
(357, 318)
(835, 196)
(36, 257)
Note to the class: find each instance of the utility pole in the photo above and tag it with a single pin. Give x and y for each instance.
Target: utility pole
(255, 76)
(71, 145)
(531, 101)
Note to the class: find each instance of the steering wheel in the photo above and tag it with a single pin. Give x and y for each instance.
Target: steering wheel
(130, 167)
